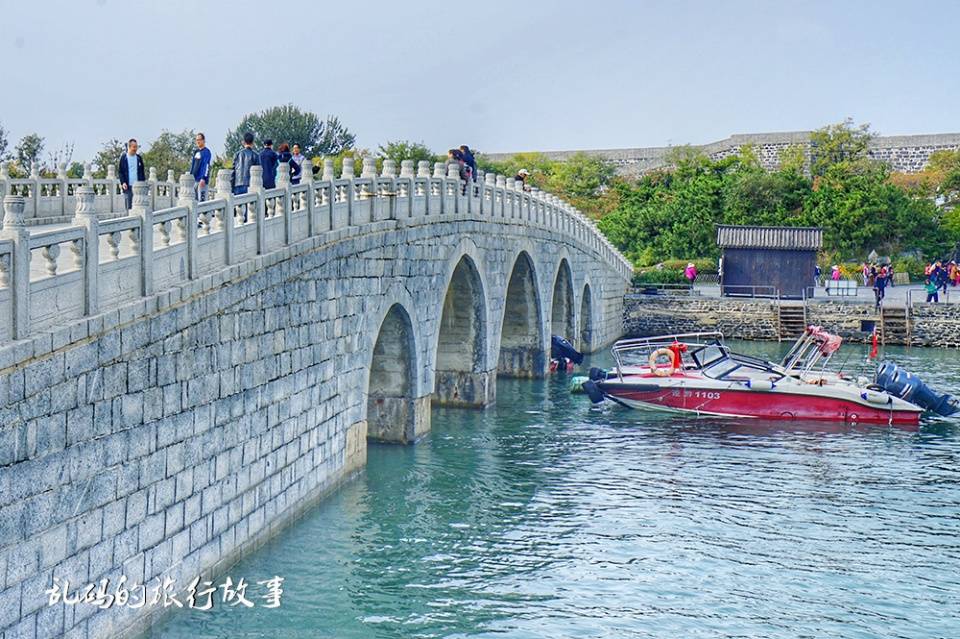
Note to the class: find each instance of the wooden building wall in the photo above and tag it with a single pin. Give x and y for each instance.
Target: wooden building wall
(787, 271)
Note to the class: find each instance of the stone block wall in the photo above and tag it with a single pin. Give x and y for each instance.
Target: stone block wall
(164, 438)
(646, 315)
(935, 325)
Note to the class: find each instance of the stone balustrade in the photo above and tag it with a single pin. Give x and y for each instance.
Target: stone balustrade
(54, 200)
(168, 238)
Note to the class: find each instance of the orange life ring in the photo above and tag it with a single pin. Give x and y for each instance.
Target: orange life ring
(656, 369)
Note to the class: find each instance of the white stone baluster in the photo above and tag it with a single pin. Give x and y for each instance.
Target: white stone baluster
(86, 216)
(142, 208)
(225, 193)
(260, 213)
(348, 173)
(306, 197)
(283, 202)
(328, 170)
(15, 230)
(423, 169)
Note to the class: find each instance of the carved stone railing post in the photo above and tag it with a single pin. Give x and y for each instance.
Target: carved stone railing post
(15, 230)
(143, 208)
(152, 181)
(225, 193)
(306, 197)
(86, 217)
(187, 228)
(453, 173)
(35, 188)
(283, 181)
(423, 169)
(62, 187)
(260, 214)
(328, 174)
(4, 176)
(348, 173)
(369, 170)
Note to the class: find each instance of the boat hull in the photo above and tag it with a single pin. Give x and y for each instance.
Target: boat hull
(746, 403)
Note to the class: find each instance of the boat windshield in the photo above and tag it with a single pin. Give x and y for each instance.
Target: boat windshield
(740, 367)
(708, 355)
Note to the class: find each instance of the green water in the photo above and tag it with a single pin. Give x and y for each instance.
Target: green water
(544, 517)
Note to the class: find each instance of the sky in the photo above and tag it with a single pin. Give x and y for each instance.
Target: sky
(498, 76)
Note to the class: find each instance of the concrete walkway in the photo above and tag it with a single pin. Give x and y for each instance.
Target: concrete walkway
(895, 295)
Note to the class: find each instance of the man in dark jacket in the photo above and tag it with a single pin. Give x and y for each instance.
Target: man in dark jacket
(130, 170)
(469, 160)
(269, 161)
(200, 167)
(242, 161)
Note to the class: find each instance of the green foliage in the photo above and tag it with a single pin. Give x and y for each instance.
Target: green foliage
(28, 150)
(291, 125)
(839, 143)
(401, 150)
(660, 276)
(913, 266)
(673, 213)
(109, 154)
(582, 179)
(75, 170)
(170, 151)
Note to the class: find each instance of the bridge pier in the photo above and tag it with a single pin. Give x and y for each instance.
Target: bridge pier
(397, 420)
(465, 389)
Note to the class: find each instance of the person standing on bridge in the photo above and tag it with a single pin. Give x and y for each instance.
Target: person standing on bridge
(522, 176)
(286, 157)
(269, 161)
(301, 161)
(130, 170)
(242, 161)
(469, 160)
(200, 167)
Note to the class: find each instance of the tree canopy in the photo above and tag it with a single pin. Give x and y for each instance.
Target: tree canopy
(291, 125)
(170, 151)
(400, 150)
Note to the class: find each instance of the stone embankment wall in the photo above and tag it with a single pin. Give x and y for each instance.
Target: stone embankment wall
(657, 315)
(904, 153)
(935, 325)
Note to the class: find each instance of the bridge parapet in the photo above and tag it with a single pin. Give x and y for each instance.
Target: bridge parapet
(168, 242)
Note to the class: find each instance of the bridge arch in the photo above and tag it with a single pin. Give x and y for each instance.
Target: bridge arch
(522, 338)
(462, 374)
(395, 410)
(562, 318)
(585, 343)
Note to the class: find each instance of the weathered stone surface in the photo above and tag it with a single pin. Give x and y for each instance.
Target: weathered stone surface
(169, 443)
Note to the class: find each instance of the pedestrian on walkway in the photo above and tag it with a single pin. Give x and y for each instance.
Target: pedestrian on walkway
(469, 160)
(690, 273)
(200, 167)
(269, 161)
(301, 161)
(879, 287)
(285, 156)
(242, 161)
(931, 288)
(130, 170)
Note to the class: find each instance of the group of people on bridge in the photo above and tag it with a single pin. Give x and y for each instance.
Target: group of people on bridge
(130, 167)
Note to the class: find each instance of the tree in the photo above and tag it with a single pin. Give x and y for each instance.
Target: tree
(170, 151)
(291, 125)
(839, 143)
(63, 155)
(28, 150)
(401, 150)
(108, 155)
(581, 175)
(4, 144)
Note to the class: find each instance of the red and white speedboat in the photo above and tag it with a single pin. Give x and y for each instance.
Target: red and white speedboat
(698, 374)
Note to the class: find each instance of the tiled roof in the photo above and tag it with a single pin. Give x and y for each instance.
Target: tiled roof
(771, 237)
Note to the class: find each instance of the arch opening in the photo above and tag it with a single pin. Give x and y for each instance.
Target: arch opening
(393, 414)
(586, 321)
(461, 377)
(562, 318)
(521, 339)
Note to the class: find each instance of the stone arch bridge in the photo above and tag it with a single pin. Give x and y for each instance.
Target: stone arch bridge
(178, 382)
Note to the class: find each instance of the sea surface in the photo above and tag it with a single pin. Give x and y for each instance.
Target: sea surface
(546, 517)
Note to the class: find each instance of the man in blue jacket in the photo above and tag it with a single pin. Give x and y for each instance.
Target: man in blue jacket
(200, 167)
(130, 170)
(269, 159)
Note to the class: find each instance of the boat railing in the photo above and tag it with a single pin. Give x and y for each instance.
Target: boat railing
(640, 348)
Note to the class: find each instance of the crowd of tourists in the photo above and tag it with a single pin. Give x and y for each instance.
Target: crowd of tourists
(938, 276)
(131, 168)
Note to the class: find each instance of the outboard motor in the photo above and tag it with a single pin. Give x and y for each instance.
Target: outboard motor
(908, 386)
(561, 349)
